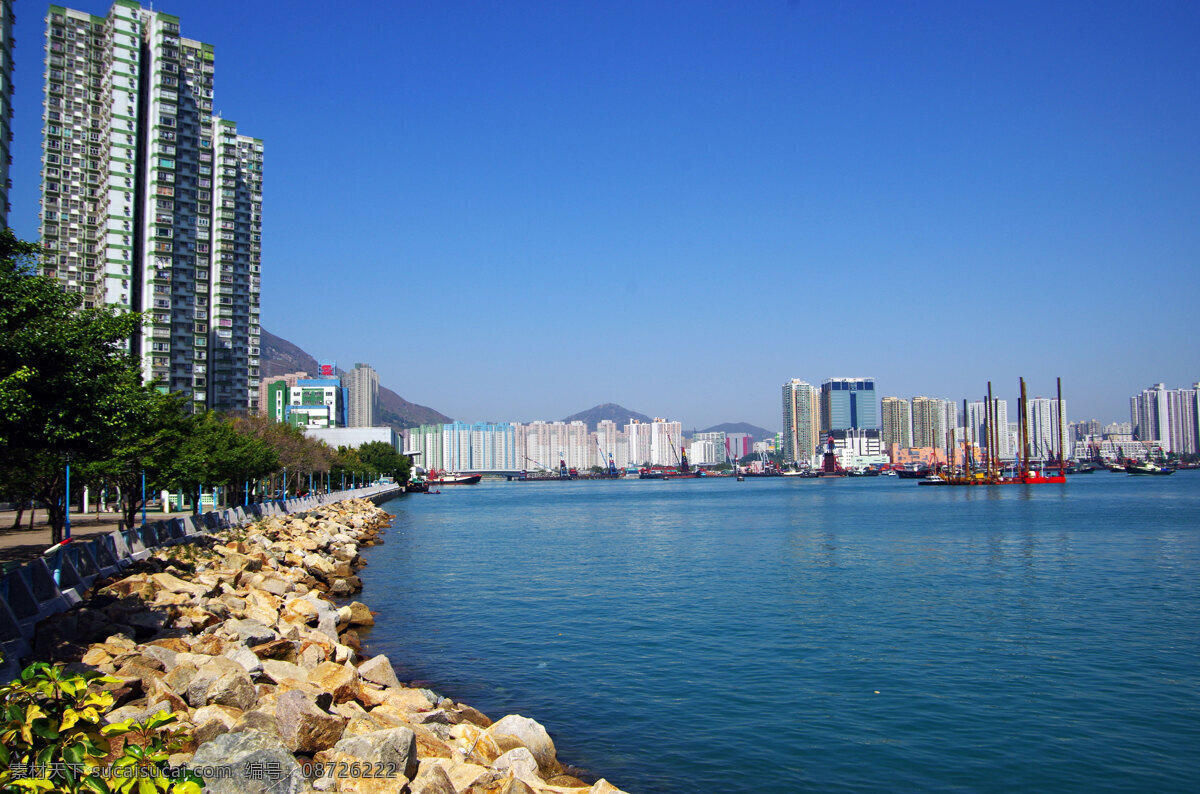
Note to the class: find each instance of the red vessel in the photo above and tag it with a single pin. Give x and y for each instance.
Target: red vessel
(437, 477)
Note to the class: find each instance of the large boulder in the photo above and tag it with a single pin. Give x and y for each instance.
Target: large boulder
(378, 670)
(251, 632)
(340, 680)
(531, 735)
(431, 779)
(172, 584)
(248, 762)
(393, 748)
(303, 727)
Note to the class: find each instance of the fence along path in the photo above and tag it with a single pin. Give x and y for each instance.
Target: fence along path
(59, 579)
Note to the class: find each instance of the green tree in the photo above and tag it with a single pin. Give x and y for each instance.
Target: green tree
(68, 385)
(298, 454)
(214, 453)
(383, 458)
(149, 443)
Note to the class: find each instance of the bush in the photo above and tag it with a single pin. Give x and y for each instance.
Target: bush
(52, 738)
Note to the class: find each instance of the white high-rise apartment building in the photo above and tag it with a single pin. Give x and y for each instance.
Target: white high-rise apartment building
(362, 387)
(1046, 438)
(977, 431)
(149, 202)
(1169, 416)
(713, 440)
(801, 420)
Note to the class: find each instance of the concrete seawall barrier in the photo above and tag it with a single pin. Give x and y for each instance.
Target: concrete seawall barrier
(59, 580)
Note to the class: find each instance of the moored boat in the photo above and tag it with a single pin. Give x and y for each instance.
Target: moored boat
(452, 478)
(1147, 467)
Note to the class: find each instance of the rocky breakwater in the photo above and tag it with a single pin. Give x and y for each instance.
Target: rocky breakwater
(237, 635)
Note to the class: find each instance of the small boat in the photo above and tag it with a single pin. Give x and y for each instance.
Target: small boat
(1147, 467)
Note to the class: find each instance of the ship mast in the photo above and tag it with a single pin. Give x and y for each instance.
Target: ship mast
(966, 441)
(990, 419)
(1024, 432)
(1062, 433)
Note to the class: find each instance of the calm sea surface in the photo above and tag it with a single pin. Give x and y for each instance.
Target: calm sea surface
(815, 635)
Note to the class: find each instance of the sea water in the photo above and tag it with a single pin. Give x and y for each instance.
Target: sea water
(814, 635)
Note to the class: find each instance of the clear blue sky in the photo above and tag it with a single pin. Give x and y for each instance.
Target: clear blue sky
(516, 210)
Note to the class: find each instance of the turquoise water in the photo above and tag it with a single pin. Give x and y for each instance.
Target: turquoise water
(815, 635)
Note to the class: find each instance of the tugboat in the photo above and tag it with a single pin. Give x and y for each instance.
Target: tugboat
(1147, 467)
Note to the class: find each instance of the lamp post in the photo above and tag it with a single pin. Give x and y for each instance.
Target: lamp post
(143, 497)
(67, 505)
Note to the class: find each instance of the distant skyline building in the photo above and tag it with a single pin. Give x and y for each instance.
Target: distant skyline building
(976, 424)
(849, 403)
(801, 420)
(150, 202)
(362, 386)
(6, 108)
(897, 423)
(1167, 416)
(716, 440)
(1046, 439)
(932, 420)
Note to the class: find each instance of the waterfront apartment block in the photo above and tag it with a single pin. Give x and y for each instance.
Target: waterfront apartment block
(1169, 416)
(362, 386)
(933, 419)
(539, 447)
(6, 109)
(848, 403)
(150, 203)
(801, 420)
(459, 446)
(897, 422)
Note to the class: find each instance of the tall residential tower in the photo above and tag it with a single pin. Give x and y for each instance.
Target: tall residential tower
(362, 386)
(149, 202)
(6, 69)
(801, 420)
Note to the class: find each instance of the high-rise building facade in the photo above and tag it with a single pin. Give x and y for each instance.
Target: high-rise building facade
(931, 422)
(6, 110)
(801, 420)
(1170, 417)
(849, 403)
(1046, 438)
(362, 386)
(897, 423)
(150, 203)
(977, 432)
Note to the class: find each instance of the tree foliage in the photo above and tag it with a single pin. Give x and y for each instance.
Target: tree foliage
(68, 386)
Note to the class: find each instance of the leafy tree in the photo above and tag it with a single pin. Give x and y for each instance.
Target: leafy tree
(383, 458)
(68, 385)
(149, 443)
(296, 452)
(215, 453)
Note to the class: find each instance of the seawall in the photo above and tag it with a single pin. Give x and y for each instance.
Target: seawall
(236, 631)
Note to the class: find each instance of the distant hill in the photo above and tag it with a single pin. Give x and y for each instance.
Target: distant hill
(278, 356)
(610, 411)
(757, 432)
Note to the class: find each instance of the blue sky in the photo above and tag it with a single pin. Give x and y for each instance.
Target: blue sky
(516, 210)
